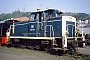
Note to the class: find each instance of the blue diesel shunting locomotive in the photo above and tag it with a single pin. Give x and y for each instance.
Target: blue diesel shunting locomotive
(44, 29)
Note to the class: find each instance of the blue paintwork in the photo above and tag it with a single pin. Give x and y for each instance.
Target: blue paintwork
(71, 28)
(31, 29)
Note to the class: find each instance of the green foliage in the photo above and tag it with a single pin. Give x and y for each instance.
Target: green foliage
(78, 16)
(14, 14)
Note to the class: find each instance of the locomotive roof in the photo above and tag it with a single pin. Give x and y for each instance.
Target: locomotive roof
(36, 12)
(51, 10)
(46, 11)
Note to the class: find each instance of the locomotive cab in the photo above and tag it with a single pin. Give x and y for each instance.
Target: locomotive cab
(50, 13)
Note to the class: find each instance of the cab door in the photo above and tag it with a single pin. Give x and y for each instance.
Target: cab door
(49, 31)
(70, 28)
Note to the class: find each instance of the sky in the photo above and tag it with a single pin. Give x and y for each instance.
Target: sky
(76, 6)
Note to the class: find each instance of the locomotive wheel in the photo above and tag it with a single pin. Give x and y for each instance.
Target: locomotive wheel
(37, 47)
(22, 46)
(47, 50)
(31, 47)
